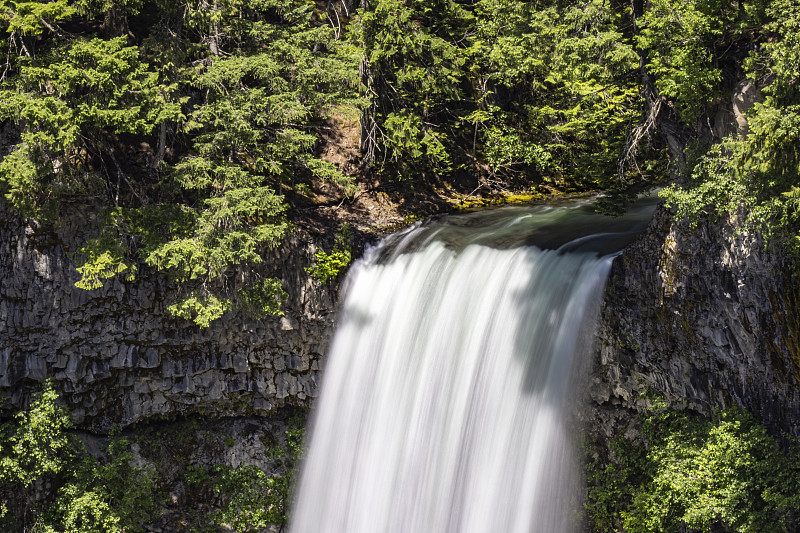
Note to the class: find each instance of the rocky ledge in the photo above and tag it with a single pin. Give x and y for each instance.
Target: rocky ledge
(703, 316)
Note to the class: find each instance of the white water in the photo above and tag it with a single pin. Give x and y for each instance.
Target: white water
(445, 400)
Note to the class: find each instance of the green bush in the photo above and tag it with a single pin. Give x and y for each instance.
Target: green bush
(330, 265)
(252, 499)
(48, 481)
(725, 474)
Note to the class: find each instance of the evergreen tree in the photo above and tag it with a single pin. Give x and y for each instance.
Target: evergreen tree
(183, 122)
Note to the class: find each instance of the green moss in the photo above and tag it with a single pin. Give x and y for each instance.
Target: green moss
(467, 203)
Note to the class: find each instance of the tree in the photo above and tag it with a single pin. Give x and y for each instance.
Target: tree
(412, 68)
(185, 149)
(760, 171)
(518, 92)
(707, 475)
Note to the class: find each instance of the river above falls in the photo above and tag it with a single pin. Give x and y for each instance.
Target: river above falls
(565, 224)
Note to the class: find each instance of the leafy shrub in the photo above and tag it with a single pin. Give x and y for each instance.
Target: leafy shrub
(48, 482)
(696, 473)
(262, 299)
(200, 309)
(329, 266)
(252, 499)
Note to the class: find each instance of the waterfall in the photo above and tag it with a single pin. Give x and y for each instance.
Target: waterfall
(446, 399)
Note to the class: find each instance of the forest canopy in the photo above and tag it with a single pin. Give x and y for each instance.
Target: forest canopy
(192, 129)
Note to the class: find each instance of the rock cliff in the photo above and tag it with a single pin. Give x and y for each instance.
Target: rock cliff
(117, 357)
(706, 317)
(703, 316)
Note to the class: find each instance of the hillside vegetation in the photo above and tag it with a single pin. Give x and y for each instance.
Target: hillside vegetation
(192, 128)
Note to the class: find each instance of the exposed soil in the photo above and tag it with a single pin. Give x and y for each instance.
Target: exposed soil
(377, 208)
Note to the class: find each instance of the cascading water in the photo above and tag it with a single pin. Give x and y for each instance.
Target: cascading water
(446, 397)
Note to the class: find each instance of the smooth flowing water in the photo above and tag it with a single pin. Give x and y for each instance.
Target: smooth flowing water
(446, 397)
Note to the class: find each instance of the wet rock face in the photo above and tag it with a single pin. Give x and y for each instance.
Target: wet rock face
(704, 317)
(117, 356)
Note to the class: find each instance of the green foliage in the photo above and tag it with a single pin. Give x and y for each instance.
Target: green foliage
(679, 41)
(71, 101)
(195, 475)
(262, 299)
(181, 123)
(611, 481)
(130, 490)
(230, 230)
(585, 94)
(697, 473)
(757, 173)
(685, 44)
(413, 66)
(526, 92)
(769, 159)
(258, 106)
(102, 258)
(50, 483)
(200, 309)
(715, 192)
(33, 17)
(327, 172)
(777, 59)
(329, 266)
(36, 444)
(87, 512)
(255, 499)
(504, 150)
(251, 498)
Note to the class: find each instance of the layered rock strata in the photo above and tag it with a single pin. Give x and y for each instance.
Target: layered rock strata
(705, 317)
(118, 357)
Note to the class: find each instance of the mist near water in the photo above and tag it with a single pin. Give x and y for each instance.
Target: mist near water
(446, 398)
